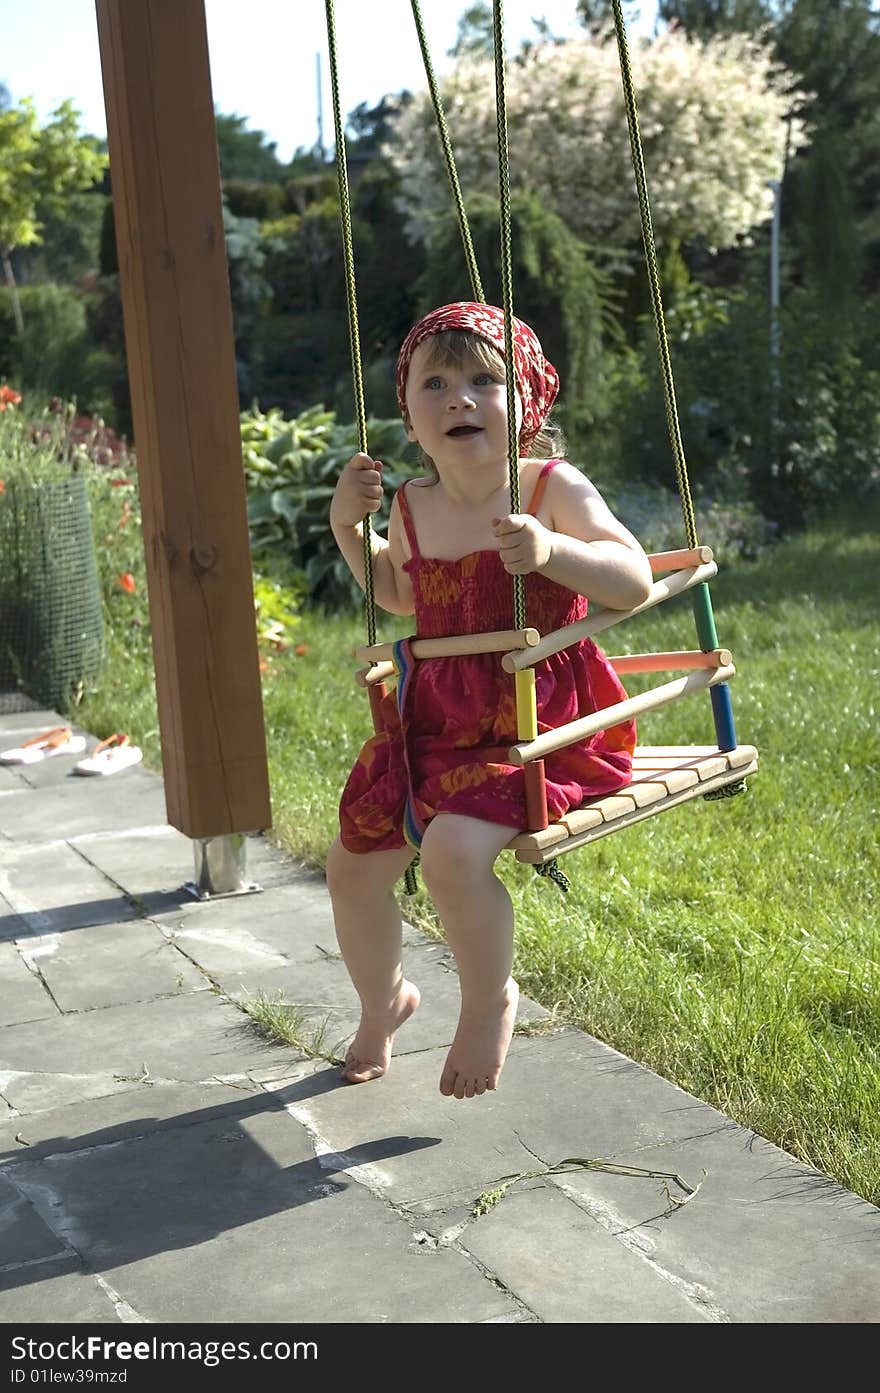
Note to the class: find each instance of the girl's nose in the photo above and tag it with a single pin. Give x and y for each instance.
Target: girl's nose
(460, 399)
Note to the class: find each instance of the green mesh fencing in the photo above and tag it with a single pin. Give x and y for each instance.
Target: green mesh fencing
(51, 623)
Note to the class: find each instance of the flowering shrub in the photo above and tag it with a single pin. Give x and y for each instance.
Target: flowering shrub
(713, 120)
(116, 525)
(734, 529)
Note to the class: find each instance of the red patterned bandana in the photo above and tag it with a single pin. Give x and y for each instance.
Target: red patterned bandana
(537, 380)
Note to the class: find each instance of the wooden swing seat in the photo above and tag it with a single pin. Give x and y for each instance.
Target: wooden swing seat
(663, 777)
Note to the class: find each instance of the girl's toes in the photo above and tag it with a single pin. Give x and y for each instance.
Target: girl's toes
(447, 1081)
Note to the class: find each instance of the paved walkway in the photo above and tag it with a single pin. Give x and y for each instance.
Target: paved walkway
(159, 1161)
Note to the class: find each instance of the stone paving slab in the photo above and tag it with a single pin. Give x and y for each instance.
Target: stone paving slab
(11, 781)
(111, 965)
(157, 857)
(237, 1220)
(24, 1237)
(53, 889)
(565, 1094)
(567, 1269)
(184, 1038)
(140, 860)
(772, 1239)
(12, 925)
(55, 770)
(22, 995)
(135, 1110)
(753, 1245)
(56, 1292)
(284, 924)
(76, 805)
(31, 1091)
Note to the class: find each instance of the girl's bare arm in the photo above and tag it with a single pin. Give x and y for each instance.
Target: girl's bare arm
(583, 546)
(358, 492)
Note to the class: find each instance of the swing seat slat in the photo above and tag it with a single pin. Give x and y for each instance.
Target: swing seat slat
(663, 777)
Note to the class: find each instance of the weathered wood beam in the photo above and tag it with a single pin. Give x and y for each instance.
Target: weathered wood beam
(181, 365)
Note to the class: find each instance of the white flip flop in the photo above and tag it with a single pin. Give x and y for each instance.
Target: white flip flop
(58, 741)
(111, 756)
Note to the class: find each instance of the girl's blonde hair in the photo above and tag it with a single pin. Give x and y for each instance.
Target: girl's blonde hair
(455, 347)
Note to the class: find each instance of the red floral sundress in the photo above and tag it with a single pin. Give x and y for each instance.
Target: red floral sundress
(457, 707)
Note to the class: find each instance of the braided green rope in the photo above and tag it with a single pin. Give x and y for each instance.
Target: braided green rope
(638, 162)
(727, 791)
(552, 871)
(357, 370)
(410, 883)
(519, 601)
(443, 131)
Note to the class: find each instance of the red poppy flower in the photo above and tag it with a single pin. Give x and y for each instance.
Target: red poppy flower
(8, 397)
(127, 582)
(301, 650)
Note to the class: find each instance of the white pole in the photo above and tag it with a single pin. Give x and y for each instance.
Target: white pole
(776, 186)
(320, 98)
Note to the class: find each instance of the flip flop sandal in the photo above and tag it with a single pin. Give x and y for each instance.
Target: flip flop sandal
(111, 756)
(58, 741)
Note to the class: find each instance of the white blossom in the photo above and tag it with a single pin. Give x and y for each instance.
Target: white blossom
(713, 119)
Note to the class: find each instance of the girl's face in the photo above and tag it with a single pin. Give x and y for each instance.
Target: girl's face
(457, 411)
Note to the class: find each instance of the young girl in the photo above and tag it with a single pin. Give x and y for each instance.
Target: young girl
(452, 547)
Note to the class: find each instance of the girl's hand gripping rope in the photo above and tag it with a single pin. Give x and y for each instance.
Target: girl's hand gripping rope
(526, 544)
(358, 491)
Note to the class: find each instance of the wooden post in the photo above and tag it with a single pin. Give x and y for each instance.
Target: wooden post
(181, 365)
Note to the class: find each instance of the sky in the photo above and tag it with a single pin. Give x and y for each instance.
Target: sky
(263, 55)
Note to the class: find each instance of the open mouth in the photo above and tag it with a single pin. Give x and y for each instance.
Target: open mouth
(460, 432)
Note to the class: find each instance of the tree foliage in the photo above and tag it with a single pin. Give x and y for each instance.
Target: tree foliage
(833, 192)
(246, 154)
(40, 168)
(714, 119)
(593, 14)
(705, 18)
(832, 187)
(475, 37)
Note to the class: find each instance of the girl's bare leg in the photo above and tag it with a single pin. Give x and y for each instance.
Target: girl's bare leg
(369, 934)
(457, 855)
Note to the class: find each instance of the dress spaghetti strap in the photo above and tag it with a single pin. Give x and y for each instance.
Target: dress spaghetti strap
(403, 505)
(540, 486)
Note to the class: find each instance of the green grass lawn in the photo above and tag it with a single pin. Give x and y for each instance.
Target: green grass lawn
(731, 946)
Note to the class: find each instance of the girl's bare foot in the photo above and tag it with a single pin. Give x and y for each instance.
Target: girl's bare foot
(369, 1054)
(478, 1052)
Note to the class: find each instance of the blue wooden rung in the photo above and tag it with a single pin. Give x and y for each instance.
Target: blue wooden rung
(722, 711)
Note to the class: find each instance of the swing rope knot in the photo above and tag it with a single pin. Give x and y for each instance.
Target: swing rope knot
(552, 871)
(728, 791)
